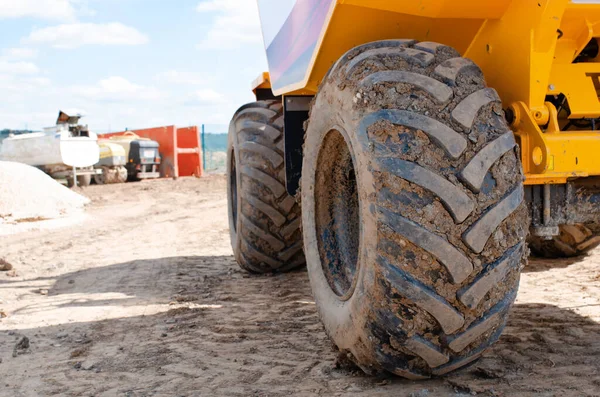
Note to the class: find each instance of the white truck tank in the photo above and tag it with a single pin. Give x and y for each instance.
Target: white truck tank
(66, 144)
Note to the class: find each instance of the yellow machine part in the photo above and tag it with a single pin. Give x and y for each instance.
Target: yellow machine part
(110, 149)
(526, 49)
(125, 141)
(262, 82)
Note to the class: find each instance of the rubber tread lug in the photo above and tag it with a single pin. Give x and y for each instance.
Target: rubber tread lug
(445, 137)
(474, 173)
(495, 273)
(478, 235)
(423, 297)
(455, 200)
(458, 265)
(438, 90)
(466, 111)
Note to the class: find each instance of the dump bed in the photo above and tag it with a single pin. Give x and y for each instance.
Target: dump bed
(304, 38)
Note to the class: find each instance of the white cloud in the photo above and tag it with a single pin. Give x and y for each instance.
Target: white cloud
(73, 35)
(179, 77)
(206, 97)
(20, 91)
(236, 24)
(17, 68)
(22, 83)
(116, 89)
(21, 53)
(83, 8)
(30, 119)
(18, 77)
(43, 9)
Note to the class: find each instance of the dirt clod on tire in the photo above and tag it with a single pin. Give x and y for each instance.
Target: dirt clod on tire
(264, 219)
(413, 209)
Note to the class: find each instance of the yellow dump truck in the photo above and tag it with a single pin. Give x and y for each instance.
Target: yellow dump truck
(406, 151)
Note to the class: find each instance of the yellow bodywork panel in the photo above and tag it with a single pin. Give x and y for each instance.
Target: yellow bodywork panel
(438, 8)
(578, 82)
(526, 49)
(262, 82)
(109, 149)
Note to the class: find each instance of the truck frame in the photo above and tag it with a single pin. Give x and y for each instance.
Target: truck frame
(406, 152)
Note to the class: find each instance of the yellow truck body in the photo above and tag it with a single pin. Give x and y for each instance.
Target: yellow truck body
(408, 152)
(527, 50)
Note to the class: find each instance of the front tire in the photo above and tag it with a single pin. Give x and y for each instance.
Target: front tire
(101, 179)
(264, 220)
(412, 206)
(84, 180)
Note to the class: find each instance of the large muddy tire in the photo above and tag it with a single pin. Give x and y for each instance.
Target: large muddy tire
(573, 240)
(264, 220)
(412, 208)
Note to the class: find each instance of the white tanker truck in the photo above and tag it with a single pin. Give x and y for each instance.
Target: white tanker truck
(67, 150)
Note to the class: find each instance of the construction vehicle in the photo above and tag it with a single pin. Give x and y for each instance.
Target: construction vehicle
(142, 154)
(67, 150)
(112, 163)
(405, 150)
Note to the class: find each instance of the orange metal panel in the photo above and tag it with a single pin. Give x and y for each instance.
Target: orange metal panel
(189, 152)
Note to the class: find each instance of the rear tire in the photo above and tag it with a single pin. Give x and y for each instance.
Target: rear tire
(574, 240)
(84, 180)
(122, 174)
(412, 208)
(111, 175)
(264, 220)
(100, 179)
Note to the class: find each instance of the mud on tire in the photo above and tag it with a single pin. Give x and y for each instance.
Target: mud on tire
(264, 220)
(412, 205)
(573, 240)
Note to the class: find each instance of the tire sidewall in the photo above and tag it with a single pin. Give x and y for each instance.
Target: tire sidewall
(339, 314)
(234, 225)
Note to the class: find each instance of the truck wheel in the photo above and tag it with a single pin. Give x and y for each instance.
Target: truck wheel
(100, 179)
(122, 175)
(84, 180)
(264, 220)
(574, 240)
(412, 209)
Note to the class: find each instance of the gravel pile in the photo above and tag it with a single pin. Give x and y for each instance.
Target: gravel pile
(28, 194)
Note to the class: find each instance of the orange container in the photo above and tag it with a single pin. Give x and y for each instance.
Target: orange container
(180, 149)
(189, 152)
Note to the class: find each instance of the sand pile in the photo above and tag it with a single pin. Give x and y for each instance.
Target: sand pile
(28, 194)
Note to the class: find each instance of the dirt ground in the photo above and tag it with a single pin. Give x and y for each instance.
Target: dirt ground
(143, 298)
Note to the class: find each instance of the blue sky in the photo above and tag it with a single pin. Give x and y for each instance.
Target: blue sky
(127, 63)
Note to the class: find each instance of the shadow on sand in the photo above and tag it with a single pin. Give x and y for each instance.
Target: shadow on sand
(199, 326)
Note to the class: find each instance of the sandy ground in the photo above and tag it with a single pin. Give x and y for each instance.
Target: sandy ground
(143, 298)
